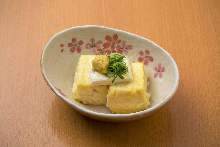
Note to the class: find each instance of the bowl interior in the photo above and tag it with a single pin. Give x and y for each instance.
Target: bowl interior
(62, 52)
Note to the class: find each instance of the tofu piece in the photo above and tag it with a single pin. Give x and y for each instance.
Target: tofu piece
(130, 97)
(83, 91)
(101, 79)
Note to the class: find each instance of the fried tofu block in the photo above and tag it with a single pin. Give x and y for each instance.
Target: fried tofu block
(130, 97)
(83, 91)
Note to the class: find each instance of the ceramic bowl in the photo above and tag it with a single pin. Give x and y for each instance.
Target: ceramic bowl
(61, 54)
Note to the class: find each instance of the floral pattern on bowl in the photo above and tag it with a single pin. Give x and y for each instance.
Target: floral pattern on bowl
(60, 57)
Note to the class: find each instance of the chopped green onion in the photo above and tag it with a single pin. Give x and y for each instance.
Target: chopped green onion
(117, 66)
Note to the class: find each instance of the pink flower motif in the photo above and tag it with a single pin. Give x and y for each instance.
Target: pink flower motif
(145, 57)
(75, 45)
(60, 91)
(123, 48)
(111, 41)
(159, 70)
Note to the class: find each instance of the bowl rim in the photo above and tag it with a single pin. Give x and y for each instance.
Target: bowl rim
(107, 115)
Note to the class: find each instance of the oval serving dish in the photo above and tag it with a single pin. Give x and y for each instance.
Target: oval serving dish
(60, 56)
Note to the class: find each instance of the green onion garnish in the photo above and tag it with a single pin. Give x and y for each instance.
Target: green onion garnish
(117, 66)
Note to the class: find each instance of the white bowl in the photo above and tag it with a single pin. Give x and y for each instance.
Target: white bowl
(60, 57)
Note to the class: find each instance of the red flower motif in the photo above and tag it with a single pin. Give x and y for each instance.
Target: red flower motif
(108, 52)
(75, 45)
(159, 70)
(123, 48)
(61, 45)
(111, 41)
(62, 50)
(99, 51)
(93, 44)
(145, 57)
(60, 91)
